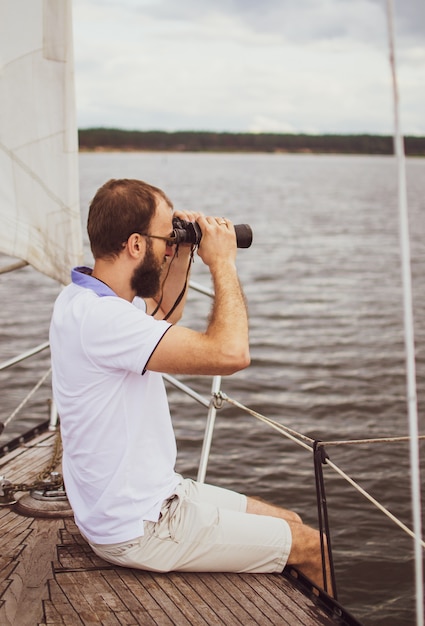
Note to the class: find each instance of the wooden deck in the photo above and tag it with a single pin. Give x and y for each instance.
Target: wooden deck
(50, 576)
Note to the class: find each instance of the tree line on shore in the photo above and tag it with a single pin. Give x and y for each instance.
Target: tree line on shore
(208, 141)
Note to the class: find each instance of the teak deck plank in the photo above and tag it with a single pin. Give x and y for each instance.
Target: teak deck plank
(248, 587)
(49, 576)
(58, 610)
(86, 592)
(205, 601)
(139, 604)
(188, 606)
(148, 607)
(224, 595)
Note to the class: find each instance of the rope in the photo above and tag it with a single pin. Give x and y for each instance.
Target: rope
(25, 400)
(408, 324)
(349, 442)
(372, 499)
(288, 432)
(300, 439)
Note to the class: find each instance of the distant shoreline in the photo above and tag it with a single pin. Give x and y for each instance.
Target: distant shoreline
(118, 140)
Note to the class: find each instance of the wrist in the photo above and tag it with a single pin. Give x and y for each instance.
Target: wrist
(223, 266)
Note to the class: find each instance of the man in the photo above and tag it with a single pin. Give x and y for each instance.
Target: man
(109, 344)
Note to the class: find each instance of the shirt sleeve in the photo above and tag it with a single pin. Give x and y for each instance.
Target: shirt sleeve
(115, 334)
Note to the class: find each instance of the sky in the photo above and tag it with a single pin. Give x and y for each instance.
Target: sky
(297, 66)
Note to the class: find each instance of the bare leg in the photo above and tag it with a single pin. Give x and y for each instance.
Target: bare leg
(257, 506)
(305, 552)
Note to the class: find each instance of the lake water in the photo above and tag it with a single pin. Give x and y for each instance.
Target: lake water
(323, 285)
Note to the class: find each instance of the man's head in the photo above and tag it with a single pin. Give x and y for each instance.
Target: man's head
(120, 208)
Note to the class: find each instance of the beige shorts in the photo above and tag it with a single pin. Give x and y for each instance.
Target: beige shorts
(203, 528)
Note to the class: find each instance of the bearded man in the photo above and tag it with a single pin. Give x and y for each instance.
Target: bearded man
(113, 332)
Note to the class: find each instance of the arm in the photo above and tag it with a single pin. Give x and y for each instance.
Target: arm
(224, 347)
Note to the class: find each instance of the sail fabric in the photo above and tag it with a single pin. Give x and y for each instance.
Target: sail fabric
(39, 193)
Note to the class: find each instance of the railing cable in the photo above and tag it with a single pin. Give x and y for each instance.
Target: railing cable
(301, 441)
(288, 432)
(374, 502)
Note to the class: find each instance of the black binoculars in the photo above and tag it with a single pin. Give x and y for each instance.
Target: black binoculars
(190, 232)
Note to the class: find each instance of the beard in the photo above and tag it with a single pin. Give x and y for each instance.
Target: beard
(146, 279)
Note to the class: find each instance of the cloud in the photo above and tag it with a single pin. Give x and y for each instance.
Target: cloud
(242, 65)
(301, 21)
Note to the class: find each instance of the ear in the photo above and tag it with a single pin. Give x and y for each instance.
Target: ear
(136, 246)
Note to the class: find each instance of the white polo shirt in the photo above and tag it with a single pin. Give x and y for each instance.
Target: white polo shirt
(119, 449)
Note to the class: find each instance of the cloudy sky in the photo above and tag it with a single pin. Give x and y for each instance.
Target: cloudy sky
(314, 66)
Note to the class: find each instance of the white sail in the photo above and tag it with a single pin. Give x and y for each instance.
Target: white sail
(39, 194)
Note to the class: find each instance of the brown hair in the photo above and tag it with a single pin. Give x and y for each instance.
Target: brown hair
(119, 208)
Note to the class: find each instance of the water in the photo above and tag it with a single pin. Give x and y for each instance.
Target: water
(322, 280)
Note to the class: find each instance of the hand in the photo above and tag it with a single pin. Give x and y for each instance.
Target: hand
(187, 216)
(218, 243)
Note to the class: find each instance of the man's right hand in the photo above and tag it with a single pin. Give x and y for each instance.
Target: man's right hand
(218, 243)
